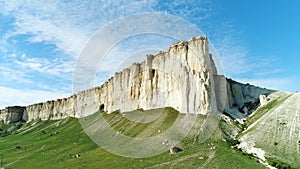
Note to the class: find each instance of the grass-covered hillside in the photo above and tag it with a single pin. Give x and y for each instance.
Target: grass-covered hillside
(275, 128)
(63, 144)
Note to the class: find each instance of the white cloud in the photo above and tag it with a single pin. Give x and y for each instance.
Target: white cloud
(12, 97)
(54, 67)
(10, 75)
(57, 31)
(66, 25)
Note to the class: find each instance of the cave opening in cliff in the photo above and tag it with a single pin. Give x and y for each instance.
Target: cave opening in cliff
(102, 107)
(153, 72)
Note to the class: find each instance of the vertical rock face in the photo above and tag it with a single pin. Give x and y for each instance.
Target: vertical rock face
(180, 77)
(12, 114)
(242, 99)
(58, 109)
(263, 100)
(183, 77)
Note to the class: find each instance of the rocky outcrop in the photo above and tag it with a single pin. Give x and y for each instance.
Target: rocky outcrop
(175, 150)
(263, 100)
(242, 99)
(183, 77)
(12, 114)
(55, 109)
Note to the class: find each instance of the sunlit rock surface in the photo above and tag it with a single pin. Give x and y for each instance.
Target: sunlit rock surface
(183, 77)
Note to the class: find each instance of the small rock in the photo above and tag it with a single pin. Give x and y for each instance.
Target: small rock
(165, 142)
(263, 100)
(55, 133)
(213, 148)
(75, 156)
(175, 150)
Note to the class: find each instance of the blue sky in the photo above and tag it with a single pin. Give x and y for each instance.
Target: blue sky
(258, 41)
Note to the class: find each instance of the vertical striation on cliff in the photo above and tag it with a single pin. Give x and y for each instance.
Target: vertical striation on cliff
(180, 77)
(183, 77)
(242, 99)
(12, 114)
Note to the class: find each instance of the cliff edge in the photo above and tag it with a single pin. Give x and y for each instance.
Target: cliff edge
(183, 77)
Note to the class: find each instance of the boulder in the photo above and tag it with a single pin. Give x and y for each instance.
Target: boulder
(175, 150)
(263, 100)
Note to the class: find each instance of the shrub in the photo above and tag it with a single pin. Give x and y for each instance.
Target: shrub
(4, 133)
(278, 164)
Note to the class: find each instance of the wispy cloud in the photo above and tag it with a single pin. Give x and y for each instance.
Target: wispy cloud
(64, 25)
(195, 11)
(13, 76)
(10, 96)
(26, 72)
(46, 23)
(236, 58)
(55, 67)
(67, 25)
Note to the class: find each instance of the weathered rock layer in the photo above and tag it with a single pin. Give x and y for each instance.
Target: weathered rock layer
(183, 77)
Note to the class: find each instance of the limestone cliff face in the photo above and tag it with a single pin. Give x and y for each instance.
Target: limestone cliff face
(183, 77)
(242, 99)
(12, 114)
(58, 109)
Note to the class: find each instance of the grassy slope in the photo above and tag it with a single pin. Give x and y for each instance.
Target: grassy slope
(49, 144)
(270, 127)
(264, 109)
(260, 112)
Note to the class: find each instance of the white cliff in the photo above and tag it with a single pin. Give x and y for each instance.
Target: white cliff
(242, 99)
(183, 77)
(12, 114)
